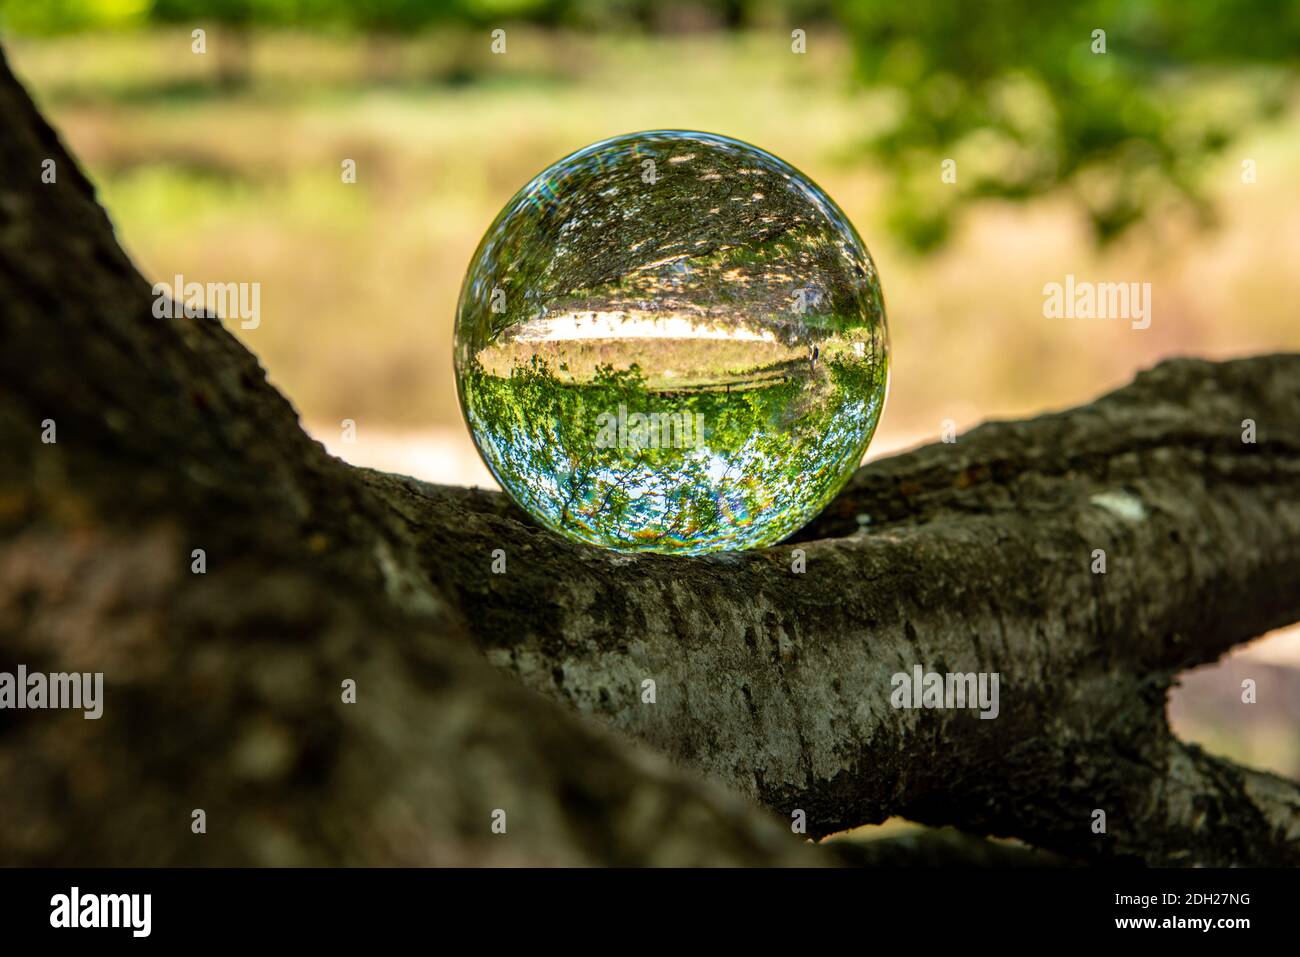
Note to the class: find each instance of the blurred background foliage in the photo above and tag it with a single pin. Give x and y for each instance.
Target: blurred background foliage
(1123, 101)
(1169, 158)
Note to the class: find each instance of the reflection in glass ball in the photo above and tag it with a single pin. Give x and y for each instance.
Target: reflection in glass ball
(671, 342)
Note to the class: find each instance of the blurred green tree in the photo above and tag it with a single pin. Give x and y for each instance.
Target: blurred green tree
(66, 16)
(1123, 102)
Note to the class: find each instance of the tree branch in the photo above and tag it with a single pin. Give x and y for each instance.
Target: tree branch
(222, 689)
(973, 557)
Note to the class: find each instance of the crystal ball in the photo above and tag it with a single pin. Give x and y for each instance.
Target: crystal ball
(672, 342)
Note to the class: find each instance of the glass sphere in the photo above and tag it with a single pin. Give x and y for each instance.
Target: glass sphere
(671, 342)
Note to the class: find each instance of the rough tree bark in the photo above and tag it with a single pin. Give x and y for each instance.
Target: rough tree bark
(223, 688)
(973, 556)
